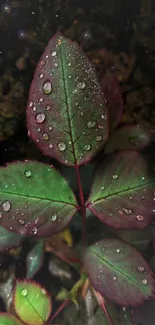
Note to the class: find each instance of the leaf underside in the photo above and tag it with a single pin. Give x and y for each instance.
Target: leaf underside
(118, 272)
(8, 319)
(34, 199)
(31, 302)
(67, 111)
(122, 193)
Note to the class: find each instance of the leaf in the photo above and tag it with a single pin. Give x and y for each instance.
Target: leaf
(31, 302)
(8, 319)
(35, 199)
(122, 193)
(110, 86)
(118, 272)
(67, 111)
(126, 317)
(100, 317)
(130, 137)
(34, 259)
(9, 239)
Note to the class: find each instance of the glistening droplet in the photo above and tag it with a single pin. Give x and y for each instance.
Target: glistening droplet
(87, 147)
(91, 124)
(27, 173)
(115, 176)
(139, 217)
(128, 211)
(40, 118)
(54, 217)
(61, 146)
(6, 206)
(140, 268)
(47, 87)
(24, 292)
(53, 53)
(45, 136)
(81, 85)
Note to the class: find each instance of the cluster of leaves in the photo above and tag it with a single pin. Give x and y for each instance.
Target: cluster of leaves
(71, 117)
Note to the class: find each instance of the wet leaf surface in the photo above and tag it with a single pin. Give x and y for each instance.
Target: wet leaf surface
(35, 199)
(67, 114)
(34, 259)
(118, 272)
(122, 193)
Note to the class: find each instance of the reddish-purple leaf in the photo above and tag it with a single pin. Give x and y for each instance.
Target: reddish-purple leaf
(130, 137)
(67, 110)
(122, 193)
(34, 199)
(118, 272)
(111, 89)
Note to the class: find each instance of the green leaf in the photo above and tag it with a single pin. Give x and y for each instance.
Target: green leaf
(122, 193)
(118, 272)
(31, 302)
(8, 319)
(9, 239)
(130, 137)
(35, 199)
(34, 259)
(100, 317)
(67, 111)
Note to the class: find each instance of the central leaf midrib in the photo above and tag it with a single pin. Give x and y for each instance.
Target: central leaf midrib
(36, 197)
(117, 270)
(67, 104)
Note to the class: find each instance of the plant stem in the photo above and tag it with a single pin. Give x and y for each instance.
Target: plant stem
(83, 208)
(61, 307)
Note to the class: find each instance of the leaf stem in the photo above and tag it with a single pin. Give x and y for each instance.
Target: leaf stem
(83, 208)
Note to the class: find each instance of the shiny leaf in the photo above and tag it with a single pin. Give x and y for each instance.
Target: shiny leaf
(122, 193)
(32, 303)
(67, 111)
(8, 319)
(9, 239)
(128, 138)
(111, 89)
(119, 272)
(34, 259)
(35, 199)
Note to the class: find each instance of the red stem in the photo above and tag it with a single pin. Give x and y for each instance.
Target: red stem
(61, 307)
(83, 208)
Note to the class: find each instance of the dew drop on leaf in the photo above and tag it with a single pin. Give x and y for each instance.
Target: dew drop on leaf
(127, 211)
(87, 147)
(31, 104)
(48, 107)
(34, 230)
(45, 136)
(50, 145)
(61, 146)
(6, 206)
(1, 215)
(98, 138)
(117, 250)
(28, 173)
(114, 277)
(91, 124)
(144, 281)
(115, 177)
(140, 268)
(47, 87)
(54, 217)
(53, 53)
(40, 117)
(139, 217)
(81, 85)
(56, 64)
(41, 76)
(143, 197)
(24, 292)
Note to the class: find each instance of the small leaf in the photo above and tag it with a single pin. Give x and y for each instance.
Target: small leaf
(111, 89)
(67, 111)
(128, 138)
(8, 319)
(9, 239)
(32, 303)
(118, 272)
(100, 317)
(35, 199)
(122, 193)
(34, 259)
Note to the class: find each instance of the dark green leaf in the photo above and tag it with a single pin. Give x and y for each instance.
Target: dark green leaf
(35, 199)
(34, 259)
(118, 272)
(122, 193)
(67, 111)
(101, 319)
(9, 239)
(128, 138)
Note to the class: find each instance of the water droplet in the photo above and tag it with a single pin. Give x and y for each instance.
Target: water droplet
(50, 128)
(27, 173)
(53, 53)
(103, 116)
(139, 217)
(91, 124)
(130, 197)
(1, 215)
(41, 76)
(21, 221)
(34, 108)
(115, 177)
(43, 291)
(6, 206)
(62, 146)
(56, 64)
(24, 292)
(45, 136)
(34, 230)
(40, 99)
(54, 217)
(48, 107)
(31, 104)
(81, 85)
(144, 281)
(47, 87)
(99, 138)
(50, 145)
(40, 117)
(87, 147)
(117, 250)
(114, 277)
(143, 197)
(127, 211)
(69, 64)
(140, 268)
(42, 63)
(102, 188)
